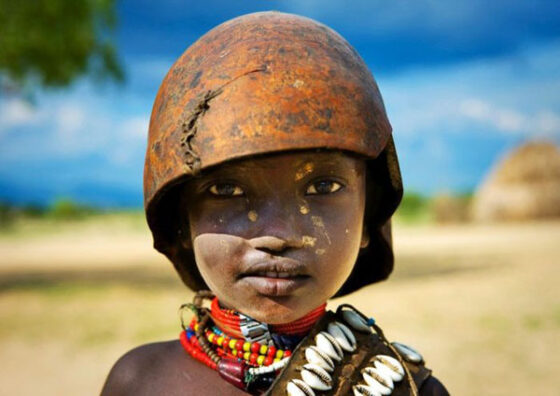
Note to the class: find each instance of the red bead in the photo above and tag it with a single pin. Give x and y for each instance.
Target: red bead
(240, 354)
(233, 372)
(268, 361)
(239, 345)
(287, 353)
(255, 347)
(271, 351)
(253, 358)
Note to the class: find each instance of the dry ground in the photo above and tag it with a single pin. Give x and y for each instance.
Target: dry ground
(480, 302)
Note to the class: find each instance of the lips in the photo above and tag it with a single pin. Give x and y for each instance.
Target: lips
(282, 275)
(275, 277)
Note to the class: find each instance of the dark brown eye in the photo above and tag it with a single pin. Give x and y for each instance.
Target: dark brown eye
(226, 190)
(323, 187)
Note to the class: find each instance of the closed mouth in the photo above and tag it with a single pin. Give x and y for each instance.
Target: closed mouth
(283, 275)
(279, 270)
(275, 279)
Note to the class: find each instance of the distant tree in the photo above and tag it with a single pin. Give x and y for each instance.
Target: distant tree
(49, 43)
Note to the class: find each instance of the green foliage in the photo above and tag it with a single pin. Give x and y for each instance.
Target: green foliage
(52, 42)
(7, 215)
(414, 207)
(66, 209)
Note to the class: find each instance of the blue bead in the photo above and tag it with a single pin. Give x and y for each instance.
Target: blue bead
(371, 322)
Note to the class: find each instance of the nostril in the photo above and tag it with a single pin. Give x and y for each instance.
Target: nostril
(270, 251)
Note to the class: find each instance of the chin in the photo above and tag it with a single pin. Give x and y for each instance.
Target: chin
(279, 310)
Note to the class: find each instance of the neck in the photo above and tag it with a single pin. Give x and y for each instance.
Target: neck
(229, 321)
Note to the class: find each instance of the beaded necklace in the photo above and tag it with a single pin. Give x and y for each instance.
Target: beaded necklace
(239, 359)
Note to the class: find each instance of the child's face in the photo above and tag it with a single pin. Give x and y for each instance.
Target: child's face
(276, 236)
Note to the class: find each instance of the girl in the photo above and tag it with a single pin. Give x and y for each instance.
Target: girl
(270, 180)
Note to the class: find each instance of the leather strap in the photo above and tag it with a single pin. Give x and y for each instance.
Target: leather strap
(347, 372)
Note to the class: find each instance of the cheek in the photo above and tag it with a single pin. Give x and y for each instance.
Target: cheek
(215, 256)
(337, 225)
(218, 218)
(338, 229)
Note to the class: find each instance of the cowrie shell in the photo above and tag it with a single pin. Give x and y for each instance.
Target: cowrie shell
(343, 335)
(316, 356)
(378, 381)
(327, 344)
(389, 365)
(355, 321)
(408, 353)
(364, 390)
(297, 387)
(316, 377)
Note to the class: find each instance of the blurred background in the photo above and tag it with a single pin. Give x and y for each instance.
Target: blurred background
(472, 89)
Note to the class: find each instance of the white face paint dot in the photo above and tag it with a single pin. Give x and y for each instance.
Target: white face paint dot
(308, 241)
(252, 215)
(304, 170)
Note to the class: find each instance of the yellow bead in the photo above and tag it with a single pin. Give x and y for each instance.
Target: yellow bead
(279, 354)
(211, 337)
(247, 356)
(247, 346)
(196, 327)
(220, 340)
(277, 360)
(232, 344)
(263, 349)
(234, 352)
(260, 360)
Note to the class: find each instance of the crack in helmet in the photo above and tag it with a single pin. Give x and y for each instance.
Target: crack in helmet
(264, 83)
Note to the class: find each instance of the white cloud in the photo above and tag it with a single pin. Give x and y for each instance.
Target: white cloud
(547, 123)
(516, 95)
(135, 127)
(543, 124)
(16, 112)
(69, 118)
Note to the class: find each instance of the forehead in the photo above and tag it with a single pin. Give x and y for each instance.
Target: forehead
(300, 162)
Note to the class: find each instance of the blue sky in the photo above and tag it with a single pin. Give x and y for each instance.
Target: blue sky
(463, 82)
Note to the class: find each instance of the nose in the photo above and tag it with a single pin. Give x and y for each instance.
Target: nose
(276, 219)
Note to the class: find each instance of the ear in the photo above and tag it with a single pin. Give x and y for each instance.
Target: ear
(365, 238)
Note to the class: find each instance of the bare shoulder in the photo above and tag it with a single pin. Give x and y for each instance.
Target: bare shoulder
(137, 368)
(162, 368)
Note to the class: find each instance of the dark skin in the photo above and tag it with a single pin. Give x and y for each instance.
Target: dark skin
(274, 237)
(300, 213)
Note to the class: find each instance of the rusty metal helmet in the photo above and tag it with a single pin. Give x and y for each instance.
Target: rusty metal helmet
(265, 83)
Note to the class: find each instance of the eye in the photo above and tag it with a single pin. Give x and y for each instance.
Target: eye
(226, 190)
(323, 187)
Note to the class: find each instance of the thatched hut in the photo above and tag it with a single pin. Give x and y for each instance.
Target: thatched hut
(524, 185)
